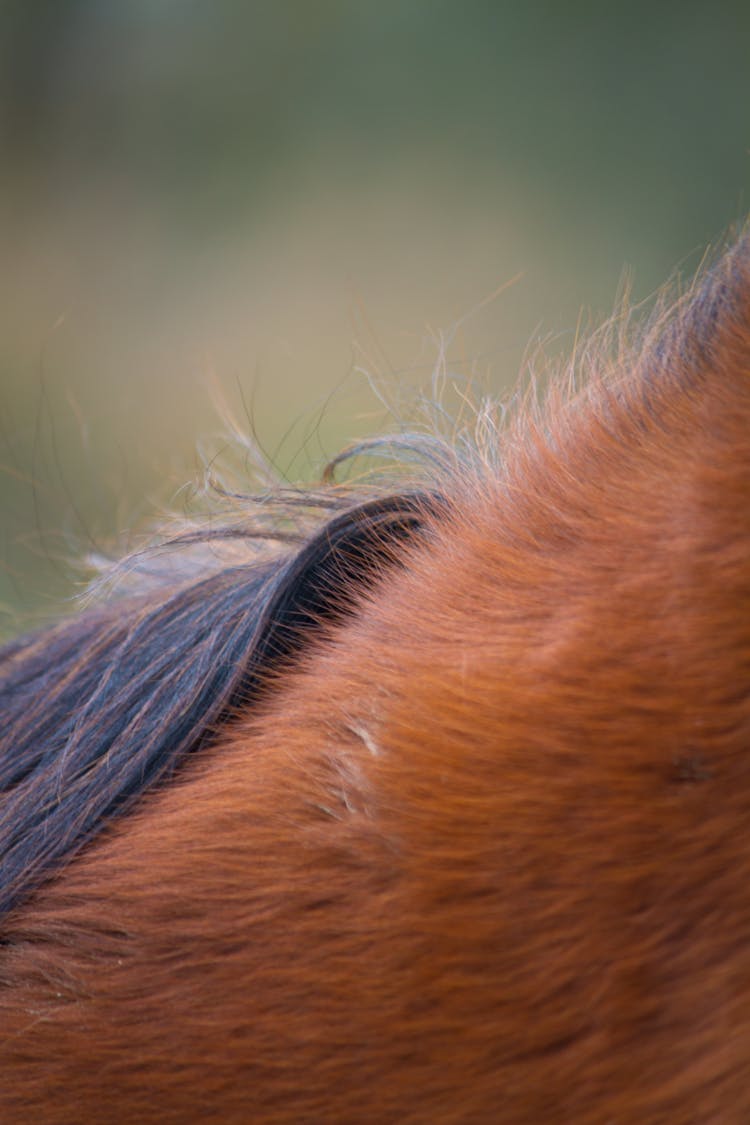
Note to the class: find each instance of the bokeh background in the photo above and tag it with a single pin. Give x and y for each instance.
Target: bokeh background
(278, 199)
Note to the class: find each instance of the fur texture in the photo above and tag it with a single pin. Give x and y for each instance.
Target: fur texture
(478, 851)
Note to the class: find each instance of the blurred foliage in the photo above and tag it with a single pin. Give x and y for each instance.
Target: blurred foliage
(284, 193)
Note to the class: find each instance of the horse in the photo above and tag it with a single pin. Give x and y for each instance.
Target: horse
(420, 803)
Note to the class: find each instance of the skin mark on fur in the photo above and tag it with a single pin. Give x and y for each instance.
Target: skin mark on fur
(360, 731)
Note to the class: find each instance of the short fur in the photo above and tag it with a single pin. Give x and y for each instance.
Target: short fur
(444, 817)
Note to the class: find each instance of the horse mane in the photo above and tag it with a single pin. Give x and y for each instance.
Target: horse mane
(101, 708)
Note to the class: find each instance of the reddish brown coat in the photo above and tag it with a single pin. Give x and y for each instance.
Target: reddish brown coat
(484, 855)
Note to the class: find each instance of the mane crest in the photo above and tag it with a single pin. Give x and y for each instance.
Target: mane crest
(99, 709)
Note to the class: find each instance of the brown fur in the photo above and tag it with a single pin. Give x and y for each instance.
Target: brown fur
(484, 855)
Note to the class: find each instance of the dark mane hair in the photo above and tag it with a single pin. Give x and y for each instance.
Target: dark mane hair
(100, 708)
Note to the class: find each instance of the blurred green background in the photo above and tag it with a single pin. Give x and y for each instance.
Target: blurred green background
(272, 198)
